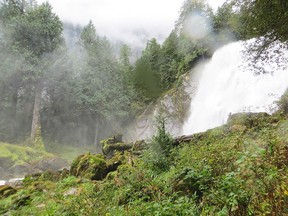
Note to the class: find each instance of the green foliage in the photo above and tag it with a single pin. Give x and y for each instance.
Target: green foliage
(267, 18)
(157, 156)
(146, 81)
(191, 7)
(241, 164)
(37, 31)
(263, 20)
(88, 37)
(145, 75)
(21, 154)
(219, 172)
(160, 66)
(162, 137)
(84, 94)
(226, 23)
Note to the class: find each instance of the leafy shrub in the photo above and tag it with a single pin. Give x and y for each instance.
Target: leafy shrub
(193, 182)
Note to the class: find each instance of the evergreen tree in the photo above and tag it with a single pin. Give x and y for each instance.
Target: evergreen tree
(100, 87)
(32, 33)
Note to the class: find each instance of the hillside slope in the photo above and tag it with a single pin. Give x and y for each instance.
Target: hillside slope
(237, 169)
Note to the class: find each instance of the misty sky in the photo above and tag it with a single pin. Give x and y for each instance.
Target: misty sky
(124, 19)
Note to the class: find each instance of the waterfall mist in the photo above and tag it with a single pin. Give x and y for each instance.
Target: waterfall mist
(226, 86)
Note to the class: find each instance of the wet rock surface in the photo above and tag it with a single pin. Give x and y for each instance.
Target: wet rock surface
(174, 105)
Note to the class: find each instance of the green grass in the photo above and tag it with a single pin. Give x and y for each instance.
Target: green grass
(21, 154)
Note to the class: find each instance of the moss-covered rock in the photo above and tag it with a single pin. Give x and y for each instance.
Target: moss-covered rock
(110, 145)
(89, 166)
(6, 191)
(119, 158)
(111, 175)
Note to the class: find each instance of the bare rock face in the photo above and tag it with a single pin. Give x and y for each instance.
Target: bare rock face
(174, 105)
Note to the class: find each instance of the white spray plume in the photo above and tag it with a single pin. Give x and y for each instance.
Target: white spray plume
(224, 88)
(197, 26)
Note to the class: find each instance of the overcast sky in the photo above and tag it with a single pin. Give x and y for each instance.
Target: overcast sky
(122, 19)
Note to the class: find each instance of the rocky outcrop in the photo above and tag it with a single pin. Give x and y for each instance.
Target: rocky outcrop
(115, 143)
(90, 166)
(98, 166)
(174, 105)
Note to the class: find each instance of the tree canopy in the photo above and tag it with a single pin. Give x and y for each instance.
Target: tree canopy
(80, 89)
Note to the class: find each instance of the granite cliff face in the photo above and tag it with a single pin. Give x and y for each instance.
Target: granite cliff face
(173, 105)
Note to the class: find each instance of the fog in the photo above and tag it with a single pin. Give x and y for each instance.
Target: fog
(84, 96)
(131, 21)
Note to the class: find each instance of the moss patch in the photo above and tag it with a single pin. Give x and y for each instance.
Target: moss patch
(89, 166)
(20, 154)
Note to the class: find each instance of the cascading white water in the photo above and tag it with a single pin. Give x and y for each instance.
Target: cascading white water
(224, 88)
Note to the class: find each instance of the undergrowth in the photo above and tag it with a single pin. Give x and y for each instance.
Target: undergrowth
(225, 171)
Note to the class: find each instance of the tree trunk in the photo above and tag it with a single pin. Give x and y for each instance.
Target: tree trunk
(36, 111)
(14, 84)
(96, 139)
(13, 114)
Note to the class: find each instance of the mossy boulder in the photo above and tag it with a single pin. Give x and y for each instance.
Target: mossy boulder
(90, 166)
(113, 144)
(111, 175)
(119, 158)
(6, 191)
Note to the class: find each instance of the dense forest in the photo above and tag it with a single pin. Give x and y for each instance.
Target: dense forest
(73, 95)
(80, 90)
(62, 84)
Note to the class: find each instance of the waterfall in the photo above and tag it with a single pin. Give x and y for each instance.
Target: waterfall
(225, 88)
